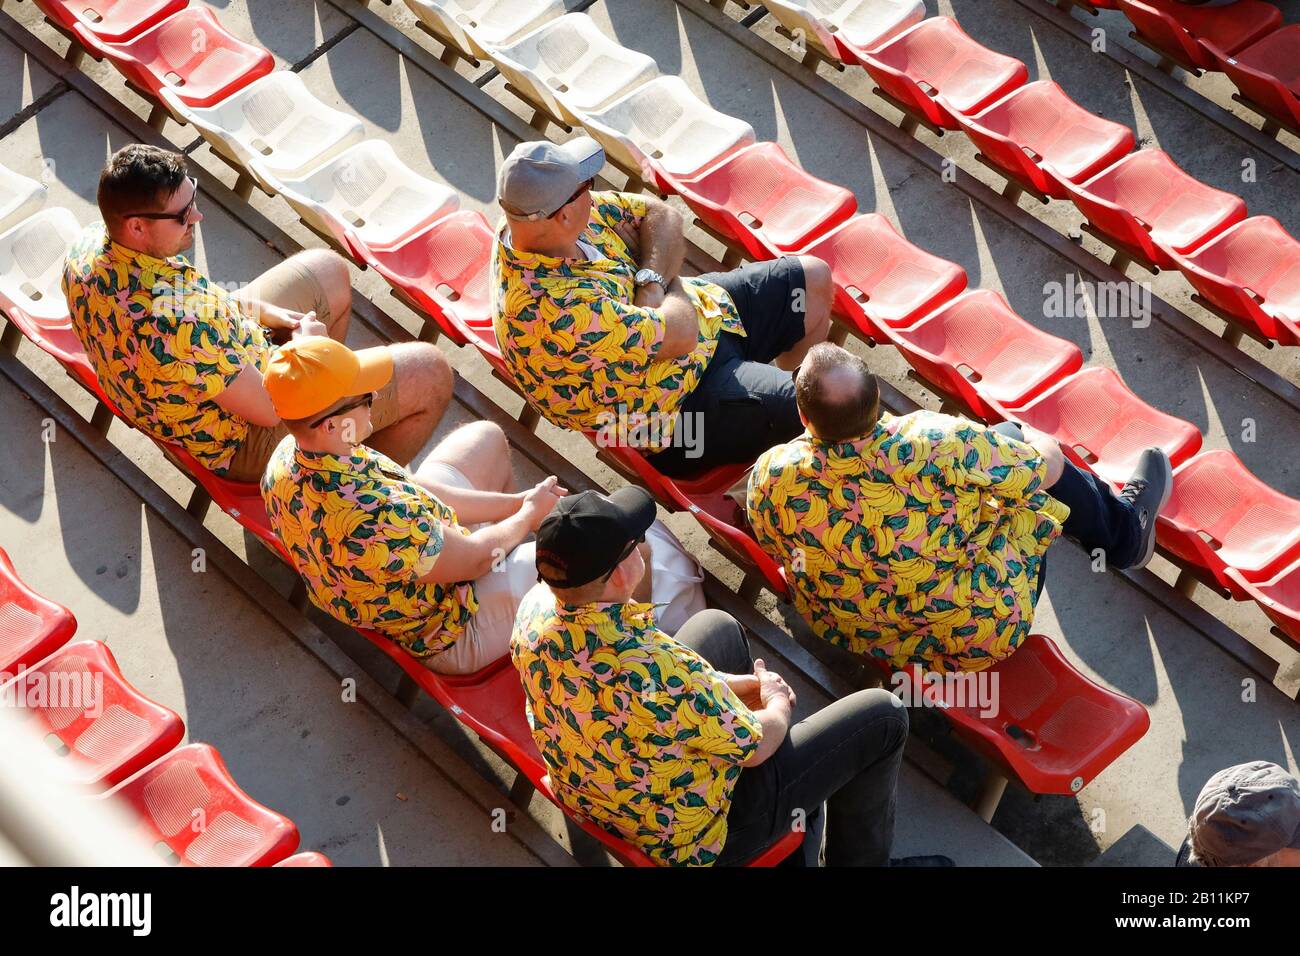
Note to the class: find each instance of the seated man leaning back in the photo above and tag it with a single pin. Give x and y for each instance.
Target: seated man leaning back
(183, 358)
(922, 538)
(602, 333)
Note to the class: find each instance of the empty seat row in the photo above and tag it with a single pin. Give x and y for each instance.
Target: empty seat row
(1143, 205)
(1247, 41)
(113, 740)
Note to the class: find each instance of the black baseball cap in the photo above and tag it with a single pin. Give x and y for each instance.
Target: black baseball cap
(588, 535)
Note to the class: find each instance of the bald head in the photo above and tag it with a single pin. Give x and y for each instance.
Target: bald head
(837, 394)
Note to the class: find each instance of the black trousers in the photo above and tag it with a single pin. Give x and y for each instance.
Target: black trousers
(846, 756)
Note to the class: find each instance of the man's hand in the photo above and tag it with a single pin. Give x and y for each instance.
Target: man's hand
(772, 688)
(284, 324)
(540, 500)
(746, 687)
(307, 325)
(649, 296)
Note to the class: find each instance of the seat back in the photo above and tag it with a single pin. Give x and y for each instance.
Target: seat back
(20, 197)
(32, 255)
(1278, 597)
(107, 730)
(200, 74)
(1219, 515)
(988, 130)
(446, 269)
(194, 813)
(112, 21)
(1113, 219)
(1164, 32)
(31, 627)
(761, 199)
(1103, 426)
(1264, 90)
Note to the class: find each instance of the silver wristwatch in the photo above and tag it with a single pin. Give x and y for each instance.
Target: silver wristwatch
(647, 276)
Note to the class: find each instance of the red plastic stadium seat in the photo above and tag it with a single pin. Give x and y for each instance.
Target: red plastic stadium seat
(110, 21)
(106, 728)
(200, 73)
(977, 346)
(1145, 204)
(1278, 597)
(190, 808)
(1103, 426)
(935, 69)
(1249, 526)
(761, 199)
(1054, 730)
(31, 627)
(1252, 273)
(445, 270)
(1037, 135)
(880, 277)
(631, 855)
(304, 860)
(1176, 29)
(1268, 75)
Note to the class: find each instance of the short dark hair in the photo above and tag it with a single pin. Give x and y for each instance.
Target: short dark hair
(138, 178)
(836, 413)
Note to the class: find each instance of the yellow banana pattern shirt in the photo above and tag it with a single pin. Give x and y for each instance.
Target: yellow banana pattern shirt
(579, 349)
(164, 342)
(638, 732)
(920, 542)
(360, 533)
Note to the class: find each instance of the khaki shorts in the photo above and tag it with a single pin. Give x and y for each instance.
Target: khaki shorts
(293, 286)
(250, 459)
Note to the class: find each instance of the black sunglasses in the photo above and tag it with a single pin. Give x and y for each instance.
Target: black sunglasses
(366, 400)
(585, 187)
(627, 553)
(182, 217)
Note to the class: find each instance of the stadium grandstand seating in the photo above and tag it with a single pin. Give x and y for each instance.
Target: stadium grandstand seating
(1265, 74)
(968, 344)
(309, 860)
(20, 197)
(31, 627)
(104, 728)
(837, 28)
(1179, 31)
(108, 21)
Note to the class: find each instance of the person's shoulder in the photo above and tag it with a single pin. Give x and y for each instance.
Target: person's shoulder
(776, 459)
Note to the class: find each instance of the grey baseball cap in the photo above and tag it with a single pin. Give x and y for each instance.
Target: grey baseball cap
(538, 178)
(1244, 814)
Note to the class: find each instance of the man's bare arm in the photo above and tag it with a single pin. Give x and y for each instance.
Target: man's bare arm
(681, 321)
(662, 245)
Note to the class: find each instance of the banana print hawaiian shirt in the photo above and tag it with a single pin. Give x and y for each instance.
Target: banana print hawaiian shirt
(920, 542)
(580, 351)
(361, 532)
(164, 342)
(638, 732)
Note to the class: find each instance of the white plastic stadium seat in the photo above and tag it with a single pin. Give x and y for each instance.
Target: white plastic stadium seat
(474, 27)
(274, 128)
(368, 190)
(19, 197)
(571, 68)
(862, 24)
(663, 124)
(32, 254)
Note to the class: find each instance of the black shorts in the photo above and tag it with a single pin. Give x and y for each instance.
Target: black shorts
(743, 405)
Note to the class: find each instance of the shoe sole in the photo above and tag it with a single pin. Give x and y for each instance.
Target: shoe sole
(1164, 500)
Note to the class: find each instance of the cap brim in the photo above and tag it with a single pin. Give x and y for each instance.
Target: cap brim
(637, 508)
(375, 371)
(589, 155)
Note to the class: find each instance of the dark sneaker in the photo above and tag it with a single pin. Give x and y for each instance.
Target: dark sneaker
(923, 861)
(1148, 491)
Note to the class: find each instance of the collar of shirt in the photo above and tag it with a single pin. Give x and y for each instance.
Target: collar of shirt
(362, 463)
(142, 260)
(622, 616)
(600, 265)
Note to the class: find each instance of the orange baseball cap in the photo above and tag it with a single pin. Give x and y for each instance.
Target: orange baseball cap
(308, 375)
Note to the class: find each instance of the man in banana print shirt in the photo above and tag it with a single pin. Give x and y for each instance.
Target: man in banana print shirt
(602, 333)
(921, 539)
(183, 358)
(685, 745)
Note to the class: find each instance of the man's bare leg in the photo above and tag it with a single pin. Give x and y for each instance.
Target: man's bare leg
(819, 293)
(480, 452)
(314, 280)
(424, 389)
